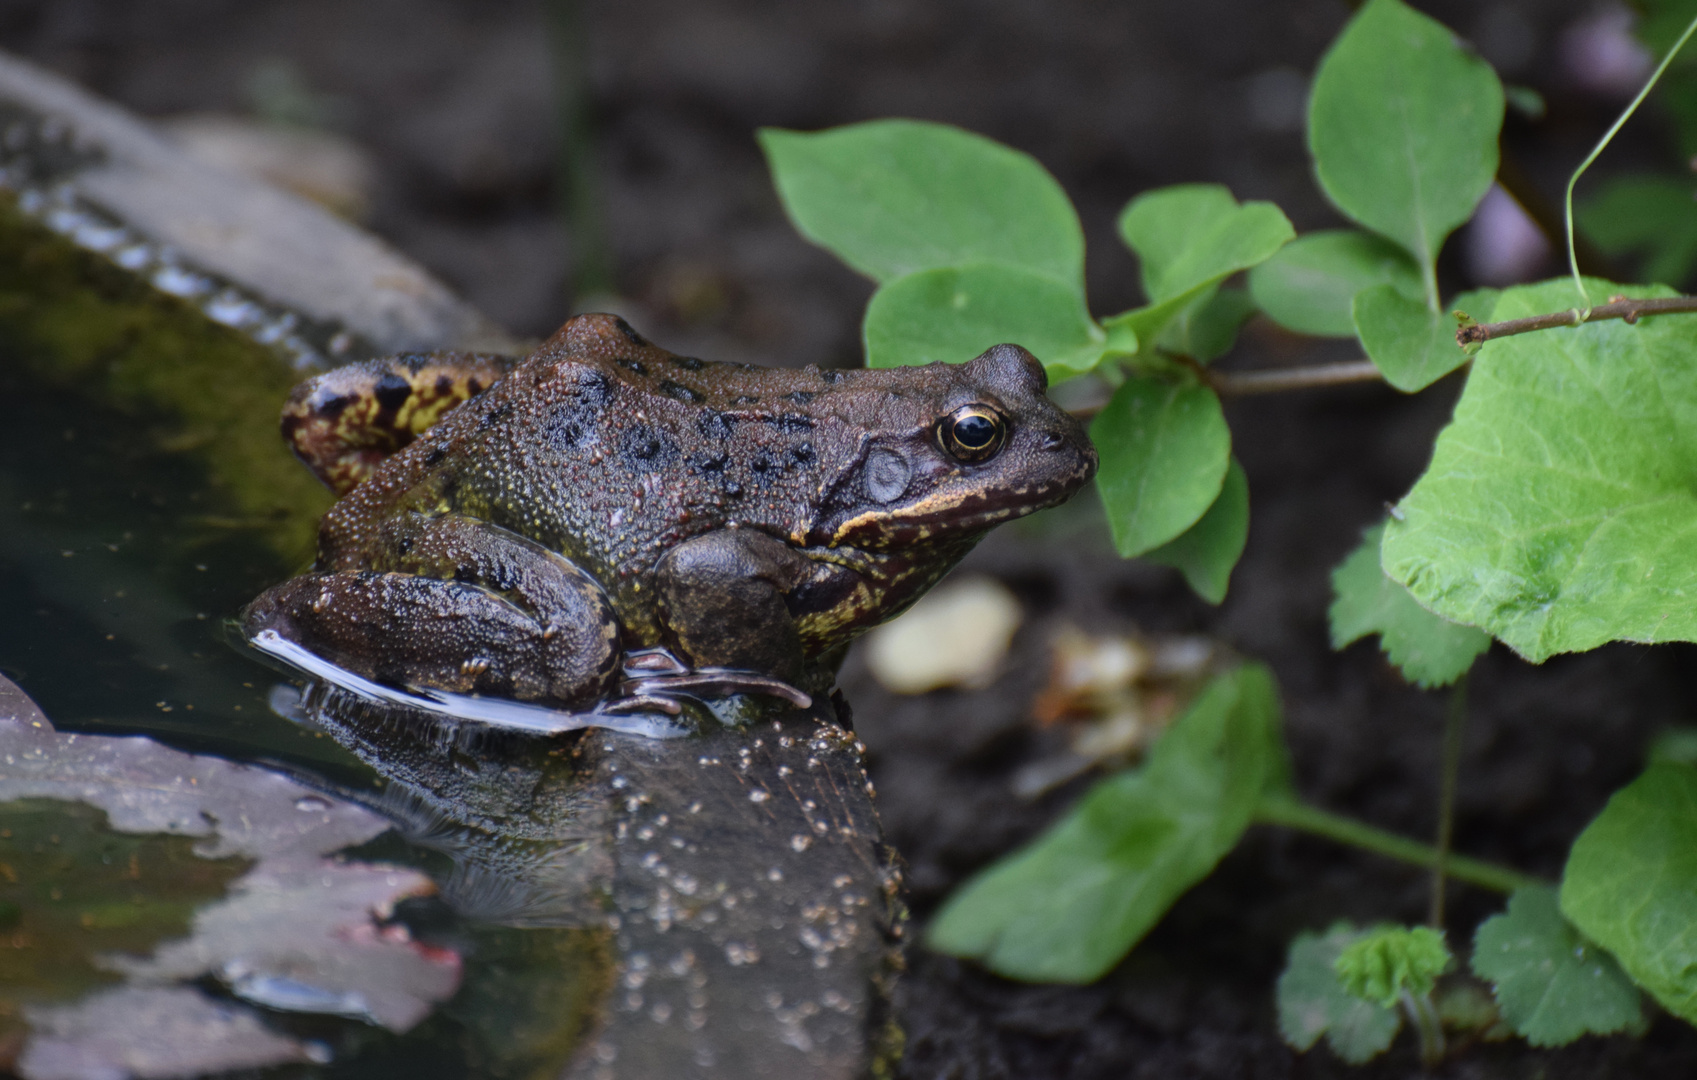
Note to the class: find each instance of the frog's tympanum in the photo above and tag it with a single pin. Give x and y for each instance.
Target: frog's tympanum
(604, 518)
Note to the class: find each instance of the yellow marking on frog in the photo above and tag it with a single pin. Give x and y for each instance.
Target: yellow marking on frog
(342, 423)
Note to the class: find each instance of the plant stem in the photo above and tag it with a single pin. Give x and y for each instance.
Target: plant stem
(1545, 214)
(1454, 721)
(1275, 380)
(1424, 1016)
(1288, 812)
(1617, 308)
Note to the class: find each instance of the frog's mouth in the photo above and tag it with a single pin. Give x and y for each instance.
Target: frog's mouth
(951, 513)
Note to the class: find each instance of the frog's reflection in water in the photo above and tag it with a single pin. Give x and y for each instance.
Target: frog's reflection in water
(738, 870)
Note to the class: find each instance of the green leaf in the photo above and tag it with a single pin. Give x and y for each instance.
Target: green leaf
(1631, 884)
(1069, 905)
(1429, 651)
(1188, 238)
(1551, 985)
(955, 313)
(1309, 284)
(1313, 1001)
(1207, 327)
(1412, 345)
(1164, 450)
(1558, 512)
(1403, 124)
(1655, 215)
(1206, 552)
(1387, 961)
(890, 197)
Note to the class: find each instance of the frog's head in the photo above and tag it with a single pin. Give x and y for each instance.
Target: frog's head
(957, 450)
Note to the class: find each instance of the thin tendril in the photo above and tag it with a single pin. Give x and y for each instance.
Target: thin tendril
(1655, 77)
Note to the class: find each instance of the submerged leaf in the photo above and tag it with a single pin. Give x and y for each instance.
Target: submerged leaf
(1558, 512)
(151, 1031)
(1068, 906)
(1429, 651)
(297, 931)
(1552, 986)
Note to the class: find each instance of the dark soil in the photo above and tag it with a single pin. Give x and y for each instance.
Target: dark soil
(454, 99)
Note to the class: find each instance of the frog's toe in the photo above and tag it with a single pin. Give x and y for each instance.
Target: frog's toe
(641, 703)
(716, 682)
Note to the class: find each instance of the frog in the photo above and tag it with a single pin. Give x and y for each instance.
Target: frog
(605, 524)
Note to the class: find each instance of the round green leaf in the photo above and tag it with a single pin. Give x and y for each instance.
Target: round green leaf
(955, 313)
(1558, 512)
(1206, 552)
(890, 197)
(1308, 284)
(1189, 238)
(1164, 451)
(1551, 985)
(1631, 884)
(1412, 345)
(1403, 126)
(1191, 235)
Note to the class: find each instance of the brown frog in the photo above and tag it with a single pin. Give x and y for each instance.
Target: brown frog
(605, 517)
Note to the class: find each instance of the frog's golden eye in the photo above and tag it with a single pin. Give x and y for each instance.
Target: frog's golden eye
(972, 432)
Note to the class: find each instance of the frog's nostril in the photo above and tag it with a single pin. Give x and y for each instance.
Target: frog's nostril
(1050, 440)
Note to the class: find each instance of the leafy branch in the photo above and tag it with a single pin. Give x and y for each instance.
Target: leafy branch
(1627, 309)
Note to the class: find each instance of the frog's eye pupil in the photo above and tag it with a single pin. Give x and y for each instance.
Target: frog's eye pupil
(973, 433)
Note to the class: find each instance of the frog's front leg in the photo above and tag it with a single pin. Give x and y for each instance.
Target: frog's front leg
(342, 423)
(455, 604)
(722, 598)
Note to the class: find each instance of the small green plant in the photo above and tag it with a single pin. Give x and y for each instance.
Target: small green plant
(1555, 516)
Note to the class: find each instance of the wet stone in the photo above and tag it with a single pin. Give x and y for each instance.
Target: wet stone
(756, 920)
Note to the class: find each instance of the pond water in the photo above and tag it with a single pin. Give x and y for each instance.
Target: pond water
(490, 904)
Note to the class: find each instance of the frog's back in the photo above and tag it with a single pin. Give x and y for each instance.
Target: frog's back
(611, 450)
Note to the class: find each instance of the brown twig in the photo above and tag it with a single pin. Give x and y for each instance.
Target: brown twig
(1266, 381)
(1618, 307)
(1276, 380)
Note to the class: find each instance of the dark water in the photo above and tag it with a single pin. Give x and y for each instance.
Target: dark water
(119, 566)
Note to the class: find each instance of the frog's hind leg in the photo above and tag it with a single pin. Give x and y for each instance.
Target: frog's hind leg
(464, 606)
(342, 423)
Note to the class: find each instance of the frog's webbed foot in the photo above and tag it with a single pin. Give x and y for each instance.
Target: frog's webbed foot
(344, 422)
(655, 675)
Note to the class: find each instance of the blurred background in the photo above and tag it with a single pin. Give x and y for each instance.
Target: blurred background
(545, 155)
